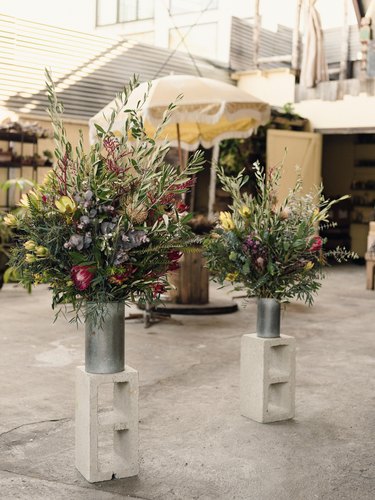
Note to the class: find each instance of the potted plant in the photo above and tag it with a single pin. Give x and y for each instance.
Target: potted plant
(271, 248)
(5, 238)
(105, 227)
(48, 155)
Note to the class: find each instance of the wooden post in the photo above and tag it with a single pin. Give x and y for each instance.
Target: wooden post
(256, 33)
(212, 186)
(344, 45)
(296, 41)
(191, 280)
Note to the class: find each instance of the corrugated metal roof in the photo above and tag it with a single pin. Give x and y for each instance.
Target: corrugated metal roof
(280, 43)
(88, 69)
(270, 44)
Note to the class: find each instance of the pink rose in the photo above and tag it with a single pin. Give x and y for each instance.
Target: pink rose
(82, 277)
(316, 244)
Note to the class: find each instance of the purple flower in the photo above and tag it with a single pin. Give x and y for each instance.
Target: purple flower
(107, 227)
(79, 241)
(134, 239)
(121, 257)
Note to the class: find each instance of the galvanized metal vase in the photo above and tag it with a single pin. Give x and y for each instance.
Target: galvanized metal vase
(268, 318)
(105, 343)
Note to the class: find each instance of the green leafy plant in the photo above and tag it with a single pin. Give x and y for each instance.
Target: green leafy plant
(267, 247)
(106, 225)
(6, 234)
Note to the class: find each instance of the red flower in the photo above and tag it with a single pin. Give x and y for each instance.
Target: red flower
(82, 277)
(173, 257)
(173, 266)
(182, 207)
(158, 288)
(118, 279)
(316, 244)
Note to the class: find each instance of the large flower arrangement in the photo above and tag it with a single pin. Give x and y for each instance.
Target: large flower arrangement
(106, 225)
(267, 247)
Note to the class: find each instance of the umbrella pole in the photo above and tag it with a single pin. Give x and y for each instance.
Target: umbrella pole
(179, 145)
(212, 187)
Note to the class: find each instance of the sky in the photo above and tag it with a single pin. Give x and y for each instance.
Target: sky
(74, 14)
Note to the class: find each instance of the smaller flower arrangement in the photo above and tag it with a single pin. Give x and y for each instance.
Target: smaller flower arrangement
(268, 248)
(108, 224)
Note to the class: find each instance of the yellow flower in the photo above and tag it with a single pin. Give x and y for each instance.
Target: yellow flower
(30, 245)
(24, 201)
(30, 258)
(244, 211)
(231, 276)
(65, 205)
(226, 221)
(10, 220)
(29, 198)
(41, 251)
(37, 278)
(309, 265)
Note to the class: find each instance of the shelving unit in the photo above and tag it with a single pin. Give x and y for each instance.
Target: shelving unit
(18, 153)
(362, 191)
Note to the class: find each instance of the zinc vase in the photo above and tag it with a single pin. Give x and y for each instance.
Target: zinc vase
(268, 318)
(105, 342)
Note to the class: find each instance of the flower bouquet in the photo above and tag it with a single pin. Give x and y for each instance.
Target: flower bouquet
(270, 248)
(107, 224)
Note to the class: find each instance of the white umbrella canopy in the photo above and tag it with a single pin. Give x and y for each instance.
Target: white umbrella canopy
(208, 112)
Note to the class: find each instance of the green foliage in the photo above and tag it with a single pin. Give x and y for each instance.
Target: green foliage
(271, 248)
(106, 225)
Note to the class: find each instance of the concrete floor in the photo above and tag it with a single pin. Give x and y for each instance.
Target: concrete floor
(194, 444)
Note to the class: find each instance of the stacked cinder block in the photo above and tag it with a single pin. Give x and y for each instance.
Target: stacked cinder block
(122, 421)
(267, 378)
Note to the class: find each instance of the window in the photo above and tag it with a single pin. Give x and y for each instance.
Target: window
(106, 12)
(198, 39)
(122, 11)
(185, 6)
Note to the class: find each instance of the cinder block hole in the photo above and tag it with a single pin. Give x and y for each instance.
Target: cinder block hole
(105, 425)
(280, 359)
(105, 398)
(279, 397)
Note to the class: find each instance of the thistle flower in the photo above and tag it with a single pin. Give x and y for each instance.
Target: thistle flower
(137, 214)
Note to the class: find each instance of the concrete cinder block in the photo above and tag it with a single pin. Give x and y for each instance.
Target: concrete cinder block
(267, 386)
(122, 421)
